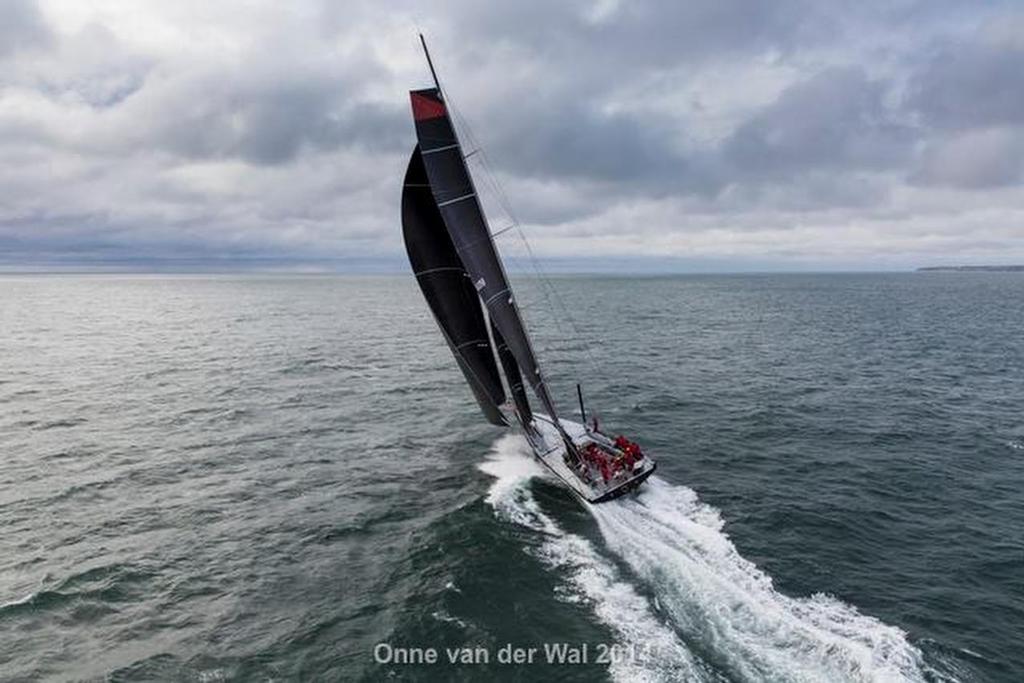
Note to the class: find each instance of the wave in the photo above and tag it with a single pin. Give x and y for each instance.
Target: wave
(19, 602)
(590, 577)
(721, 613)
(726, 604)
(104, 585)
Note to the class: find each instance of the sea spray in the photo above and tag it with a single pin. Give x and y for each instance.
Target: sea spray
(589, 576)
(724, 612)
(675, 543)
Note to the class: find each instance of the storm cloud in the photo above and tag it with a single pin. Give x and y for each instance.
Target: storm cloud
(791, 134)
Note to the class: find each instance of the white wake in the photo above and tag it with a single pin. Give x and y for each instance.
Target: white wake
(589, 577)
(715, 603)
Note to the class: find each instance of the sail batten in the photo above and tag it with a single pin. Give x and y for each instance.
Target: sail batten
(457, 201)
(448, 291)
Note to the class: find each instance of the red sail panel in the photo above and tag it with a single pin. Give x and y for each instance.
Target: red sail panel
(425, 107)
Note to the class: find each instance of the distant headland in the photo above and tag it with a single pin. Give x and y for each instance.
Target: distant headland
(973, 269)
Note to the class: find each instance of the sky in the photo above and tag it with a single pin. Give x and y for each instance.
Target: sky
(689, 135)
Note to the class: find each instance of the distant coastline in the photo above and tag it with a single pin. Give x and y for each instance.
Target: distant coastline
(972, 269)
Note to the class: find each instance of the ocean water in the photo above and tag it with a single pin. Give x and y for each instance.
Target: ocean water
(264, 478)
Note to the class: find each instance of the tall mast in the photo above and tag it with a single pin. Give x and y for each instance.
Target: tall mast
(430, 63)
(455, 194)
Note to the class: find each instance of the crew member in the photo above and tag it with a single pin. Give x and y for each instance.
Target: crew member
(637, 453)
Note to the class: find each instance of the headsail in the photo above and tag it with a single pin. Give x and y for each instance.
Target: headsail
(448, 290)
(463, 215)
(514, 377)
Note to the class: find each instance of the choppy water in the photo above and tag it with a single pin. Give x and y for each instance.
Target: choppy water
(246, 478)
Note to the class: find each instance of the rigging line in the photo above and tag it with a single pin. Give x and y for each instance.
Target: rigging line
(492, 184)
(552, 296)
(491, 179)
(544, 396)
(542, 274)
(563, 333)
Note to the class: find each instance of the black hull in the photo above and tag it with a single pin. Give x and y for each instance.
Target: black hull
(631, 485)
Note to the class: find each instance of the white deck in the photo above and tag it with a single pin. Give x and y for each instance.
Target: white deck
(550, 450)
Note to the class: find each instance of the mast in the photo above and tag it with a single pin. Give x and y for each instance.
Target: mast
(514, 378)
(430, 63)
(456, 197)
(583, 410)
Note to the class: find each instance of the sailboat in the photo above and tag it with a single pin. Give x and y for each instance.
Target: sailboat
(462, 277)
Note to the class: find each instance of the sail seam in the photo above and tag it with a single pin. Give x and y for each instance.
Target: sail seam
(495, 296)
(502, 231)
(439, 149)
(457, 199)
(437, 270)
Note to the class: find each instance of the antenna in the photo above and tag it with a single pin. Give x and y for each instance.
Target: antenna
(430, 63)
(583, 412)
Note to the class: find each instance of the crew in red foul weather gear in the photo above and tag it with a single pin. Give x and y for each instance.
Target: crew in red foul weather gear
(630, 450)
(637, 453)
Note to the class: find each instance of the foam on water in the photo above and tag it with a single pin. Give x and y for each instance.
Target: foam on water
(589, 577)
(19, 601)
(724, 602)
(722, 609)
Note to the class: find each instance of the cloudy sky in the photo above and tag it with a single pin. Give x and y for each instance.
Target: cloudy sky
(686, 134)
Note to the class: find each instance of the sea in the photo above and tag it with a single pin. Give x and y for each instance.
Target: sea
(284, 477)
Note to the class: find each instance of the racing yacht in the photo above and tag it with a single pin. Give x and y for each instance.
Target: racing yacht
(457, 266)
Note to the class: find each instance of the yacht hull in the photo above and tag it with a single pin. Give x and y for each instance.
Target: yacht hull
(549, 448)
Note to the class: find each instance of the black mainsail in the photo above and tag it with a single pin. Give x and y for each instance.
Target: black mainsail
(456, 198)
(448, 290)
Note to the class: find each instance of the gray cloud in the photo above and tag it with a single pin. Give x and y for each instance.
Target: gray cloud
(585, 142)
(837, 118)
(610, 35)
(978, 158)
(706, 129)
(971, 82)
(22, 27)
(271, 121)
